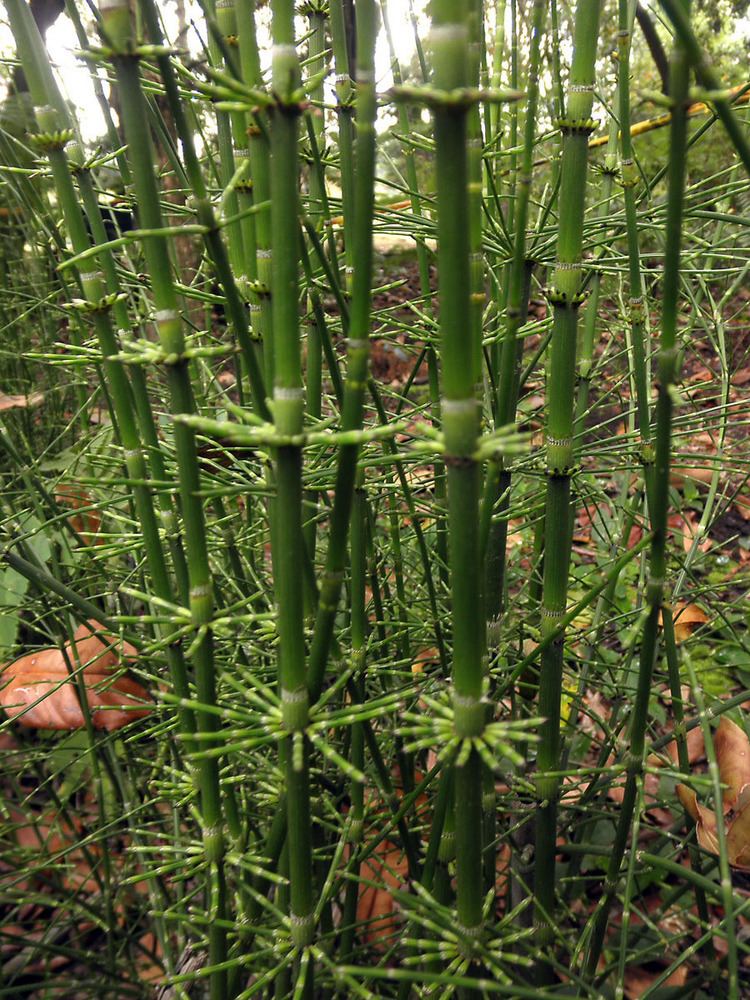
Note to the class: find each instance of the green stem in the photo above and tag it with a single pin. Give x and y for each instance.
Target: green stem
(450, 55)
(565, 296)
(116, 19)
(659, 507)
(358, 346)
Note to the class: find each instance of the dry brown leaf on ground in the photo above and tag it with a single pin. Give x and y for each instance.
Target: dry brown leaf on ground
(686, 526)
(425, 657)
(742, 505)
(47, 839)
(377, 910)
(651, 795)
(733, 757)
(10, 402)
(87, 521)
(639, 980)
(705, 819)
(738, 839)
(687, 618)
(38, 691)
(695, 749)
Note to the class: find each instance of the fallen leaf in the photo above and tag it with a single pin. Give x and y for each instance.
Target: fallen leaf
(423, 658)
(697, 473)
(37, 689)
(638, 981)
(377, 910)
(733, 757)
(88, 521)
(695, 749)
(705, 819)
(687, 617)
(738, 839)
(651, 795)
(19, 402)
(742, 505)
(687, 525)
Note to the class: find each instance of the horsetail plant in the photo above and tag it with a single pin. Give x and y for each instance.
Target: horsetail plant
(298, 493)
(659, 494)
(288, 413)
(358, 343)
(460, 415)
(566, 297)
(118, 31)
(55, 134)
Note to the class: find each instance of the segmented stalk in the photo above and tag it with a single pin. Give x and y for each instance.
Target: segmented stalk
(317, 207)
(206, 215)
(259, 153)
(565, 296)
(659, 498)
(629, 179)
(345, 100)
(116, 21)
(499, 480)
(288, 412)
(53, 118)
(450, 56)
(358, 347)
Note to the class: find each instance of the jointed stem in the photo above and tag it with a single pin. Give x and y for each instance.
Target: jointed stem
(565, 296)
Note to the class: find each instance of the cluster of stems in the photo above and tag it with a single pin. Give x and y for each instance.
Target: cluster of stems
(307, 750)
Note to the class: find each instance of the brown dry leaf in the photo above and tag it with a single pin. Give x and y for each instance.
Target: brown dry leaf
(150, 968)
(45, 675)
(651, 796)
(19, 402)
(636, 534)
(695, 749)
(742, 505)
(387, 868)
(88, 521)
(697, 473)
(377, 910)
(687, 525)
(705, 819)
(424, 657)
(687, 617)
(701, 373)
(515, 536)
(502, 872)
(596, 708)
(733, 757)
(50, 838)
(637, 981)
(738, 839)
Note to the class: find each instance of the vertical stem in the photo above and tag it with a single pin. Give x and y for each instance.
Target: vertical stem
(116, 19)
(499, 481)
(206, 216)
(629, 178)
(259, 154)
(565, 295)
(344, 111)
(659, 499)
(358, 347)
(423, 264)
(450, 53)
(53, 116)
(288, 411)
(316, 210)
